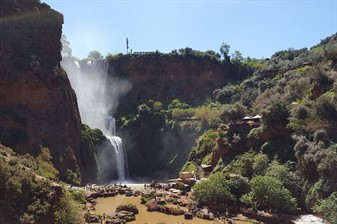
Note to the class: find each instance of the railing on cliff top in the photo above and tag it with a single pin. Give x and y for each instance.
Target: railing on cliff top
(143, 53)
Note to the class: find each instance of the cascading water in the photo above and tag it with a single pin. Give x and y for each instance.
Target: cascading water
(96, 102)
(117, 143)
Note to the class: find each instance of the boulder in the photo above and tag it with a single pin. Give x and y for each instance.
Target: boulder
(121, 217)
(188, 215)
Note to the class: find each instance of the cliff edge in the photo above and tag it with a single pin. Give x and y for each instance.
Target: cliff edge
(37, 104)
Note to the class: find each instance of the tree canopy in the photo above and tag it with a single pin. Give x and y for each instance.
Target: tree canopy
(95, 55)
(269, 193)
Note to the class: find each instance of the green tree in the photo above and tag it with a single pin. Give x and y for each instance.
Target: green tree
(242, 165)
(224, 51)
(325, 107)
(237, 57)
(275, 115)
(95, 55)
(328, 207)
(176, 103)
(66, 50)
(232, 113)
(260, 164)
(269, 193)
(213, 191)
(290, 180)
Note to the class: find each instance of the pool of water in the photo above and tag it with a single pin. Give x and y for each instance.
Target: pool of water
(108, 206)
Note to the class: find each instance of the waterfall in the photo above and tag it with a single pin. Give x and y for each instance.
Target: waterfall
(117, 144)
(97, 95)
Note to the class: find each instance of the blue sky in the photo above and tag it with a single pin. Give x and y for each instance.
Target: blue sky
(255, 28)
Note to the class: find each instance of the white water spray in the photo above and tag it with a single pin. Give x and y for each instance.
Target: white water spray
(117, 143)
(96, 102)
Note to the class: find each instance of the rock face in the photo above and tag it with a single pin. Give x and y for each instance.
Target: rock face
(37, 104)
(164, 77)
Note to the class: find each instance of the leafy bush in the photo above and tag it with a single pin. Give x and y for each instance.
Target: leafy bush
(275, 115)
(176, 103)
(314, 192)
(238, 185)
(24, 198)
(72, 178)
(328, 208)
(66, 211)
(289, 179)
(268, 193)
(330, 51)
(241, 165)
(231, 113)
(209, 117)
(95, 136)
(205, 144)
(78, 196)
(325, 107)
(114, 56)
(45, 166)
(90, 140)
(300, 112)
(188, 167)
(213, 191)
(178, 113)
(260, 164)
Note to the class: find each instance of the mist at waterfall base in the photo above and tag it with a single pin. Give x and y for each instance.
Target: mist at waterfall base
(97, 95)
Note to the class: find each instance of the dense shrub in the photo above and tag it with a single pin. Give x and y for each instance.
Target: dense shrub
(23, 197)
(209, 117)
(268, 193)
(205, 144)
(325, 107)
(66, 211)
(176, 103)
(45, 166)
(276, 115)
(91, 139)
(260, 164)
(328, 208)
(179, 114)
(289, 178)
(213, 191)
(300, 112)
(231, 113)
(241, 165)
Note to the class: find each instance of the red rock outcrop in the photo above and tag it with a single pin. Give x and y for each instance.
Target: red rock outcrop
(164, 77)
(37, 104)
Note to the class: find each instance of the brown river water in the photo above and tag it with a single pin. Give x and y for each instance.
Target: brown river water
(108, 206)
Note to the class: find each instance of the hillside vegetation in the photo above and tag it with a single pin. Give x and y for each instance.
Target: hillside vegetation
(289, 156)
(282, 161)
(29, 193)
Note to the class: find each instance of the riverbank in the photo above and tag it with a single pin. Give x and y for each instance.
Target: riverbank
(163, 204)
(102, 202)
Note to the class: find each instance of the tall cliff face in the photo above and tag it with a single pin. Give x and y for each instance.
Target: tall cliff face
(164, 77)
(37, 104)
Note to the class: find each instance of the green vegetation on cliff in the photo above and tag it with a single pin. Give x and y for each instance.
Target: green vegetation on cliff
(288, 154)
(27, 197)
